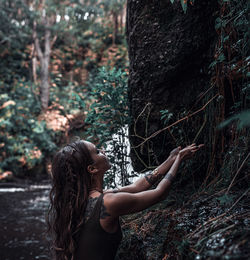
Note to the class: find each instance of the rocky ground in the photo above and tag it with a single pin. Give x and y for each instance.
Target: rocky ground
(208, 226)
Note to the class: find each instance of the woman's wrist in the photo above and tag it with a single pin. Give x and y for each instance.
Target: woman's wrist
(172, 157)
(178, 157)
(170, 177)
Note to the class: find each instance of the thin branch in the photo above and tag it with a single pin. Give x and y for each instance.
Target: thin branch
(197, 135)
(201, 96)
(239, 198)
(177, 122)
(238, 171)
(143, 110)
(53, 41)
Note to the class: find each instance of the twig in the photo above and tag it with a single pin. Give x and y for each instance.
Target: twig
(239, 198)
(138, 119)
(238, 171)
(193, 250)
(220, 216)
(175, 123)
(207, 222)
(217, 231)
(205, 121)
(172, 136)
(201, 96)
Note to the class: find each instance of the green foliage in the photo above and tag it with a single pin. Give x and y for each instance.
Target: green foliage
(184, 4)
(112, 5)
(81, 32)
(107, 118)
(242, 119)
(166, 115)
(226, 199)
(109, 110)
(232, 53)
(236, 18)
(25, 142)
(14, 38)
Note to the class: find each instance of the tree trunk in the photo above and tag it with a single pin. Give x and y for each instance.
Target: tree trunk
(45, 71)
(34, 69)
(169, 54)
(115, 31)
(44, 58)
(44, 86)
(121, 20)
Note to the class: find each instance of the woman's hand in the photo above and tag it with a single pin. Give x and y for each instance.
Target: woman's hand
(189, 151)
(175, 152)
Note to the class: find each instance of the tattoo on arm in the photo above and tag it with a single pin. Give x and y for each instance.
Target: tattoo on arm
(90, 207)
(153, 177)
(104, 213)
(169, 176)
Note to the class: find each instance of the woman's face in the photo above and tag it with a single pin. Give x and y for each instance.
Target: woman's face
(101, 162)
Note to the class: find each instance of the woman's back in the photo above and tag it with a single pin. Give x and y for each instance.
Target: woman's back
(94, 242)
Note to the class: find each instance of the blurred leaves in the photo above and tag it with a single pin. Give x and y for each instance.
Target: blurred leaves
(109, 109)
(25, 141)
(242, 120)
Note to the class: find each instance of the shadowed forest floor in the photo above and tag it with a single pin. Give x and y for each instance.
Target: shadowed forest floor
(206, 227)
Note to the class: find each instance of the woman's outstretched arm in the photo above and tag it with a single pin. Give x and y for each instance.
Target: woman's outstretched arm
(126, 203)
(146, 182)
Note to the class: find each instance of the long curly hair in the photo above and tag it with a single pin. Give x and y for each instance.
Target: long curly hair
(68, 198)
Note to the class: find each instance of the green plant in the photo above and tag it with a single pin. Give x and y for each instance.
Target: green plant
(25, 141)
(184, 4)
(242, 119)
(107, 118)
(109, 109)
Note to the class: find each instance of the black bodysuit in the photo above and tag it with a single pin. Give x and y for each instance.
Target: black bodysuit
(95, 243)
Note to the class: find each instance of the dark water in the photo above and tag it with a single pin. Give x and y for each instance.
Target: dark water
(22, 221)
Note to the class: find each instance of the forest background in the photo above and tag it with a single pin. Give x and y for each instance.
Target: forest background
(64, 72)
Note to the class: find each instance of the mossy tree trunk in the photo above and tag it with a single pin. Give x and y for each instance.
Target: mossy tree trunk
(169, 54)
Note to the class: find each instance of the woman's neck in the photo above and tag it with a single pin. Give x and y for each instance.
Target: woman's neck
(97, 185)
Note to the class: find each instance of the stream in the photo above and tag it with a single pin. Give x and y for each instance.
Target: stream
(23, 209)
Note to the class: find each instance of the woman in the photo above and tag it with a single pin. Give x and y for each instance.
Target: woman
(83, 219)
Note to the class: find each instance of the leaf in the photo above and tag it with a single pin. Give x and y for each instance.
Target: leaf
(225, 199)
(243, 119)
(172, 1)
(221, 58)
(218, 23)
(184, 5)
(38, 129)
(212, 64)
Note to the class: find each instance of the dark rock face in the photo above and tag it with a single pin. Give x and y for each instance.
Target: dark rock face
(169, 54)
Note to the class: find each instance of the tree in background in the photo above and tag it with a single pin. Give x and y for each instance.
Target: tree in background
(115, 8)
(52, 18)
(45, 48)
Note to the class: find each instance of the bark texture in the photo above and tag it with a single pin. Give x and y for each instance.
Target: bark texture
(169, 54)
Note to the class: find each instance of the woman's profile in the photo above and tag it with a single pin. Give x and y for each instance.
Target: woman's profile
(84, 219)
